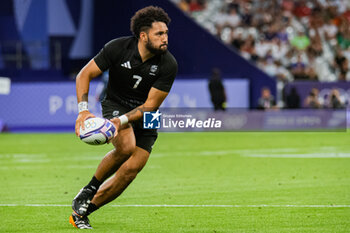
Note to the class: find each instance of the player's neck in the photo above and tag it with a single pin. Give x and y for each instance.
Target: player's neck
(144, 53)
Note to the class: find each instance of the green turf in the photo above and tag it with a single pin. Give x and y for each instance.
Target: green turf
(241, 169)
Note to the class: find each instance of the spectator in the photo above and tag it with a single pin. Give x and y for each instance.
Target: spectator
(343, 35)
(301, 9)
(266, 101)
(237, 39)
(299, 69)
(293, 99)
(219, 20)
(334, 100)
(312, 100)
(310, 74)
(315, 49)
(272, 32)
(246, 13)
(247, 48)
(268, 66)
(329, 29)
(283, 74)
(262, 47)
(183, 5)
(279, 49)
(288, 5)
(339, 59)
(196, 5)
(301, 41)
(217, 90)
(282, 35)
(233, 19)
(344, 76)
(341, 64)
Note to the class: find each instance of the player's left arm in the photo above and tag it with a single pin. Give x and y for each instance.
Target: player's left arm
(154, 100)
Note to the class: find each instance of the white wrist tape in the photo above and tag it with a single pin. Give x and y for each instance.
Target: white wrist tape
(123, 119)
(83, 106)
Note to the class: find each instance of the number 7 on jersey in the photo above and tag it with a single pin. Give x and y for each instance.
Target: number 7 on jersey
(139, 79)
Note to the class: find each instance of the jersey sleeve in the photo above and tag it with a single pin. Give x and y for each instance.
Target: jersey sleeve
(108, 54)
(167, 75)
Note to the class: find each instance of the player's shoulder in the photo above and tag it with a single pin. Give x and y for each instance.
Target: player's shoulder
(169, 60)
(121, 42)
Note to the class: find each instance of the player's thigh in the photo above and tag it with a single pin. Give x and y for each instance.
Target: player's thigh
(125, 142)
(145, 138)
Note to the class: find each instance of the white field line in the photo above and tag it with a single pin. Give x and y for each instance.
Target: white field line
(256, 154)
(189, 206)
(305, 155)
(321, 152)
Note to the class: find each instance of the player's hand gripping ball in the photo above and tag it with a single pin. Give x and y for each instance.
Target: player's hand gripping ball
(97, 131)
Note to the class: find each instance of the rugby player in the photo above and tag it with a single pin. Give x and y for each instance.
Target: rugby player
(141, 73)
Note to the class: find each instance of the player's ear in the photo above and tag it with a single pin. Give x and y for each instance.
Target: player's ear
(143, 36)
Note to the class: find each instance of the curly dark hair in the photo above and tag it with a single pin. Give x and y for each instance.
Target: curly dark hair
(143, 19)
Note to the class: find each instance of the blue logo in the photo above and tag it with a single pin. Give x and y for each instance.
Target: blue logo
(151, 120)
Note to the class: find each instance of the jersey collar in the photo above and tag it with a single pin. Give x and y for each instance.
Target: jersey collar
(137, 57)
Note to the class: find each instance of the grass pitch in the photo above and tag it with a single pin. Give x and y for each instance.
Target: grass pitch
(210, 182)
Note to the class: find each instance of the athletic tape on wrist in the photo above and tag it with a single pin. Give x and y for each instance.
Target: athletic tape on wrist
(83, 106)
(123, 119)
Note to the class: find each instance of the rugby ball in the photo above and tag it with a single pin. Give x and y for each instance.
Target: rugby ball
(97, 131)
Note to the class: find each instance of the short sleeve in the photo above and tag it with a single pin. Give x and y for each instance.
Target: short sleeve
(167, 75)
(108, 54)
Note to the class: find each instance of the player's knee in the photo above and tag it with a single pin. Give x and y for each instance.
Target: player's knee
(117, 156)
(126, 149)
(131, 171)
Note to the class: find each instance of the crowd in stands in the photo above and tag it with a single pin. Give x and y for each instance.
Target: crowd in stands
(288, 39)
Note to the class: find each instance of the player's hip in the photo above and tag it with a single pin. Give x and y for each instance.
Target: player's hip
(111, 109)
(145, 138)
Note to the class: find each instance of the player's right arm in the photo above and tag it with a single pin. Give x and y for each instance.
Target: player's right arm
(86, 74)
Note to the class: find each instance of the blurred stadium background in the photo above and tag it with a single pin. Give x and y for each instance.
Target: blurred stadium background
(298, 50)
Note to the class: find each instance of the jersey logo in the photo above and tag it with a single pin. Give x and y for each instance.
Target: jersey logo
(115, 113)
(126, 65)
(153, 69)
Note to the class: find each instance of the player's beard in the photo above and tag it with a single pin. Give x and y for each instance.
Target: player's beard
(154, 50)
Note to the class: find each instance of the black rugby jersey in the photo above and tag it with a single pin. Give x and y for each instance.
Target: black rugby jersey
(130, 80)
